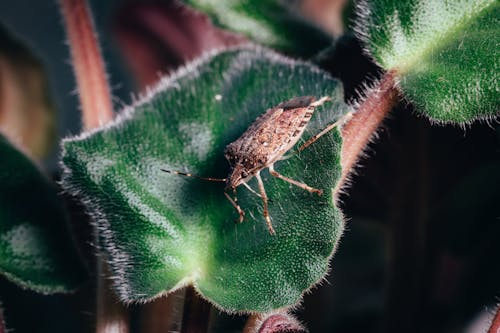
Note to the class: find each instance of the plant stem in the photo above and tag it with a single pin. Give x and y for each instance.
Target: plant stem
(495, 324)
(196, 313)
(97, 110)
(111, 315)
(163, 314)
(95, 95)
(364, 124)
(273, 323)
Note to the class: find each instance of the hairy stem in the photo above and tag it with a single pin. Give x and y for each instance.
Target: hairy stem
(112, 316)
(495, 324)
(163, 314)
(95, 95)
(273, 323)
(363, 125)
(97, 110)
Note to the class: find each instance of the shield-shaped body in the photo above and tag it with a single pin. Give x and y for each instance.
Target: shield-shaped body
(268, 139)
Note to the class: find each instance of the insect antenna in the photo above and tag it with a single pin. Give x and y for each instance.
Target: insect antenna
(211, 179)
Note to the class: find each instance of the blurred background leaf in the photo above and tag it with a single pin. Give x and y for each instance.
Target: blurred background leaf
(273, 23)
(27, 114)
(330, 15)
(35, 245)
(158, 36)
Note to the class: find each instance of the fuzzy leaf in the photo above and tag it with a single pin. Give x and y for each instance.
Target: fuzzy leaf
(35, 246)
(446, 53)
(274, 23)
(162, 231)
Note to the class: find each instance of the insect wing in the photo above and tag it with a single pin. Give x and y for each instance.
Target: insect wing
(289, 127)
(250, 148)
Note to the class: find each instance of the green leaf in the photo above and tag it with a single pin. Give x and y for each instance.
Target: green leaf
(35, 246)
(445, 53)
(273, 23)
(163, 231)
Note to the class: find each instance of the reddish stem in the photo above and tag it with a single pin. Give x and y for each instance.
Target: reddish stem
(273, 323)
(95, 95)
(281, 324)
(196, 313)
(163, 314)
(97, 110)
(111, 315)
(495, 324)
(362, 127)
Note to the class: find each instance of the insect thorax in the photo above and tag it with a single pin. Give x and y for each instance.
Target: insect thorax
(268, 138)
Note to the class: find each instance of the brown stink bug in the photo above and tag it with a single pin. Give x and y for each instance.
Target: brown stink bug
(264, 143)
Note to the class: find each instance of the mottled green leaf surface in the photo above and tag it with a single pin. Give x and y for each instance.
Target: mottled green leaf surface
(446, 53)
(162, 231)
(274, 23)
(35, 246)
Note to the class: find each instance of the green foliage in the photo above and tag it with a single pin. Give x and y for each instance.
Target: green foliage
(162, 231)
(273, 23)
(446, 53)
(35, 246)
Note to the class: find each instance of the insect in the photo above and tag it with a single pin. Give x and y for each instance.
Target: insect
(263, 144)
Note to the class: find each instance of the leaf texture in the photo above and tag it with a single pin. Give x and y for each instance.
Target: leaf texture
(163, 231)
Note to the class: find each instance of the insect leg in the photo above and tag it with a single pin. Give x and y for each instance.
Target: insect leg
(320, 101)
(294, 182)
(251, 189)
(264, 201)
(324, 131)
(285, 157)
(236, 206)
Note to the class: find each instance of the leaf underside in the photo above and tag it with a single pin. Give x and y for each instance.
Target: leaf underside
(35, 245)
(162, 231)
(446, 53)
